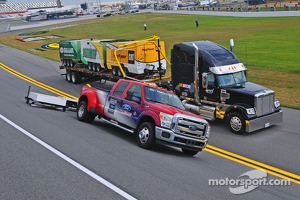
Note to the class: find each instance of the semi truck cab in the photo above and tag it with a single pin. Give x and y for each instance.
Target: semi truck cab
(212, 82)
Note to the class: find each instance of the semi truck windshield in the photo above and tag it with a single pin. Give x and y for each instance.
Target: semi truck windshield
(234, 79)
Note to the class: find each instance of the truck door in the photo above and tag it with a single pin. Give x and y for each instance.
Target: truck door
(131, 108)
(124, 106)
(212, 92)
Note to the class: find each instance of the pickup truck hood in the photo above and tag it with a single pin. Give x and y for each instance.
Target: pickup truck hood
(171, 110)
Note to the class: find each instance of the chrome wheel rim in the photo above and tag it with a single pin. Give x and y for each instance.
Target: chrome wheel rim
(81, 111)
(144, 135)
(236, 123)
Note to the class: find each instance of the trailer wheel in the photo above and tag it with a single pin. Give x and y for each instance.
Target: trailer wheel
(98, 68)
(65, 62)
(189, 152)
(237, 123)
(95, 68)
(72, 64)
(69, 63)
(90, 66)
(76, 78)
(115, 71)
(68, 76)
(146, 135)
(120, 73)
(82, 114)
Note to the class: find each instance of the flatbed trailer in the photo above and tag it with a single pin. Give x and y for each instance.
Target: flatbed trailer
(74, 75)
(34, 98)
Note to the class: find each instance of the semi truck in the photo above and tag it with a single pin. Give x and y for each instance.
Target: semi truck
(212, 82)
(208, 78)
(112, 59)
(152, 113)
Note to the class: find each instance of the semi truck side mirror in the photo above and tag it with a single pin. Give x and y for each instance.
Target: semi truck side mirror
(209, 88)
(204, 80)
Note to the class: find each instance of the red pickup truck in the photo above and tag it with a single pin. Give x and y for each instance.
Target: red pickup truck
(152, 113)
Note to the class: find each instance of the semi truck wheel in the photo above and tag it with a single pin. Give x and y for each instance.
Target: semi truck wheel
(189, 152)
(237, 123)
(82, 113)
(145, 135)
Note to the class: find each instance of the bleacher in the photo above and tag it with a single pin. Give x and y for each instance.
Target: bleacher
(14, 8)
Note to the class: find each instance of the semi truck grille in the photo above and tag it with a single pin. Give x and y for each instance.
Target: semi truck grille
(264, 102)
(189, 127)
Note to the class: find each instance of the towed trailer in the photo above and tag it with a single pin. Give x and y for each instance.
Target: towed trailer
(38, 99)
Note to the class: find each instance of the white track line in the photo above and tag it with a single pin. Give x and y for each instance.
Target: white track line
(69, 160)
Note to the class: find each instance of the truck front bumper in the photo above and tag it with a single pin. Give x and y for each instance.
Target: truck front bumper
(264, 122)
(171, 138)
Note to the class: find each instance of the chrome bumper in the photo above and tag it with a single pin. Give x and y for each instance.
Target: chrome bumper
(173, 139)
(264, 122)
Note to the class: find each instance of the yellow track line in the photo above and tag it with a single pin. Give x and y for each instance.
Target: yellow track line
(37, 83)
(212, 149)
(254, 164)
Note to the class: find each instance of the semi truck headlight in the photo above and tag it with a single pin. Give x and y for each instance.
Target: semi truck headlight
(277, 104)
(250, 111)
(165, 120)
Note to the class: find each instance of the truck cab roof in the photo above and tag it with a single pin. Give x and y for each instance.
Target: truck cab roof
(214, 54)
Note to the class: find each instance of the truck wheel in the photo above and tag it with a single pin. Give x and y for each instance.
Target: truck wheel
(237, 123)
(189, 152)
(68, 76)
(76, 78)
(82, 113)
(145, 135)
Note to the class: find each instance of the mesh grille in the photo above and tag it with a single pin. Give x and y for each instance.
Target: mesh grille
(264, 102)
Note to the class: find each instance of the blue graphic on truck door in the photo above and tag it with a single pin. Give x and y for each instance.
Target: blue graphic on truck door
(129, 108)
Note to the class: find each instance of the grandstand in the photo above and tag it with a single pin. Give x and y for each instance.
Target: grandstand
(17, 8)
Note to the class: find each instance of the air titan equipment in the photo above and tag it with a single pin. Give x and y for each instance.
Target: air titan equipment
(111, 59)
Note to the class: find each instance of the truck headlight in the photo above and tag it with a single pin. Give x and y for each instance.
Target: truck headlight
(250, 111)
(165, 120)
(208, 131)
(276, 103)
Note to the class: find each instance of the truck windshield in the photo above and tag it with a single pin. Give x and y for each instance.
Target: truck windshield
(234, 79)
(161, 96)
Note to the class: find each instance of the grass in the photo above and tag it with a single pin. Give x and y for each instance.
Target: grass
(269, 47)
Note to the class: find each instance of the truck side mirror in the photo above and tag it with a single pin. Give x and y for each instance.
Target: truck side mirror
(209, 88)
(131, 97)
(204, 80)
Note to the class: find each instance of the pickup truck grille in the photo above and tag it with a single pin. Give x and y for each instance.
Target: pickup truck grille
(190, 127)
(264, 102)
